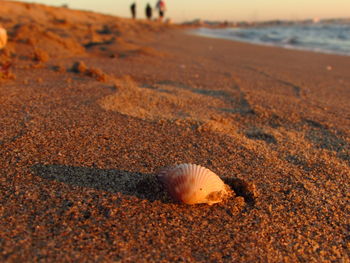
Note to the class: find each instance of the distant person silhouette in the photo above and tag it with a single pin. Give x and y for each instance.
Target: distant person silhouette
(161, 8)
(148, 11)
(133, 10)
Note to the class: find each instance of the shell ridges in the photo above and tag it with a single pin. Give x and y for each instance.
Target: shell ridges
(193, 184)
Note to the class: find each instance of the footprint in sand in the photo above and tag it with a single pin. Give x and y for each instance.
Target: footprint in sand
(259, 134)
(323, 138)
(162, 101)
(171, 100)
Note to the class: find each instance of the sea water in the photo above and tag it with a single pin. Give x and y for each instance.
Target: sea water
(319, 37)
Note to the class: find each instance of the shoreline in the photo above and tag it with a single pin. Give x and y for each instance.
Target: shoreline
(93, 111)
(260, 43)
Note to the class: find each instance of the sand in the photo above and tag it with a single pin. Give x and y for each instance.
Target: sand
(91, 106)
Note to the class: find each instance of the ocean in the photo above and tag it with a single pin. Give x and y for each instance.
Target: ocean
(326, 38)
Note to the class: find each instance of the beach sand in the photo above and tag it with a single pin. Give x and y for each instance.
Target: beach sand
(91, 106)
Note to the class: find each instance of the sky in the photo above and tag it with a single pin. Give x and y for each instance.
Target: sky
(231, 10)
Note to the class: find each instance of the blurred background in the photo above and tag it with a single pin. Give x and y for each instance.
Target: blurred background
(224, 10)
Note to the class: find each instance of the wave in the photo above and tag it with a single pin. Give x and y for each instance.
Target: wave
(327, 38)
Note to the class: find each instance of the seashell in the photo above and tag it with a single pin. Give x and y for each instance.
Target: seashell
(194, 184)
(3, 37)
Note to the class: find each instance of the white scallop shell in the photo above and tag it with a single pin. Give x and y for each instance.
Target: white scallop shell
(3, 37)
(193, 184)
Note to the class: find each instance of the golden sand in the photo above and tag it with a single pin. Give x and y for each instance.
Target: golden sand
(80, 144)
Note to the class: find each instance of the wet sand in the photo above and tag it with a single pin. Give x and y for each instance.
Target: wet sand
(91, 106)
